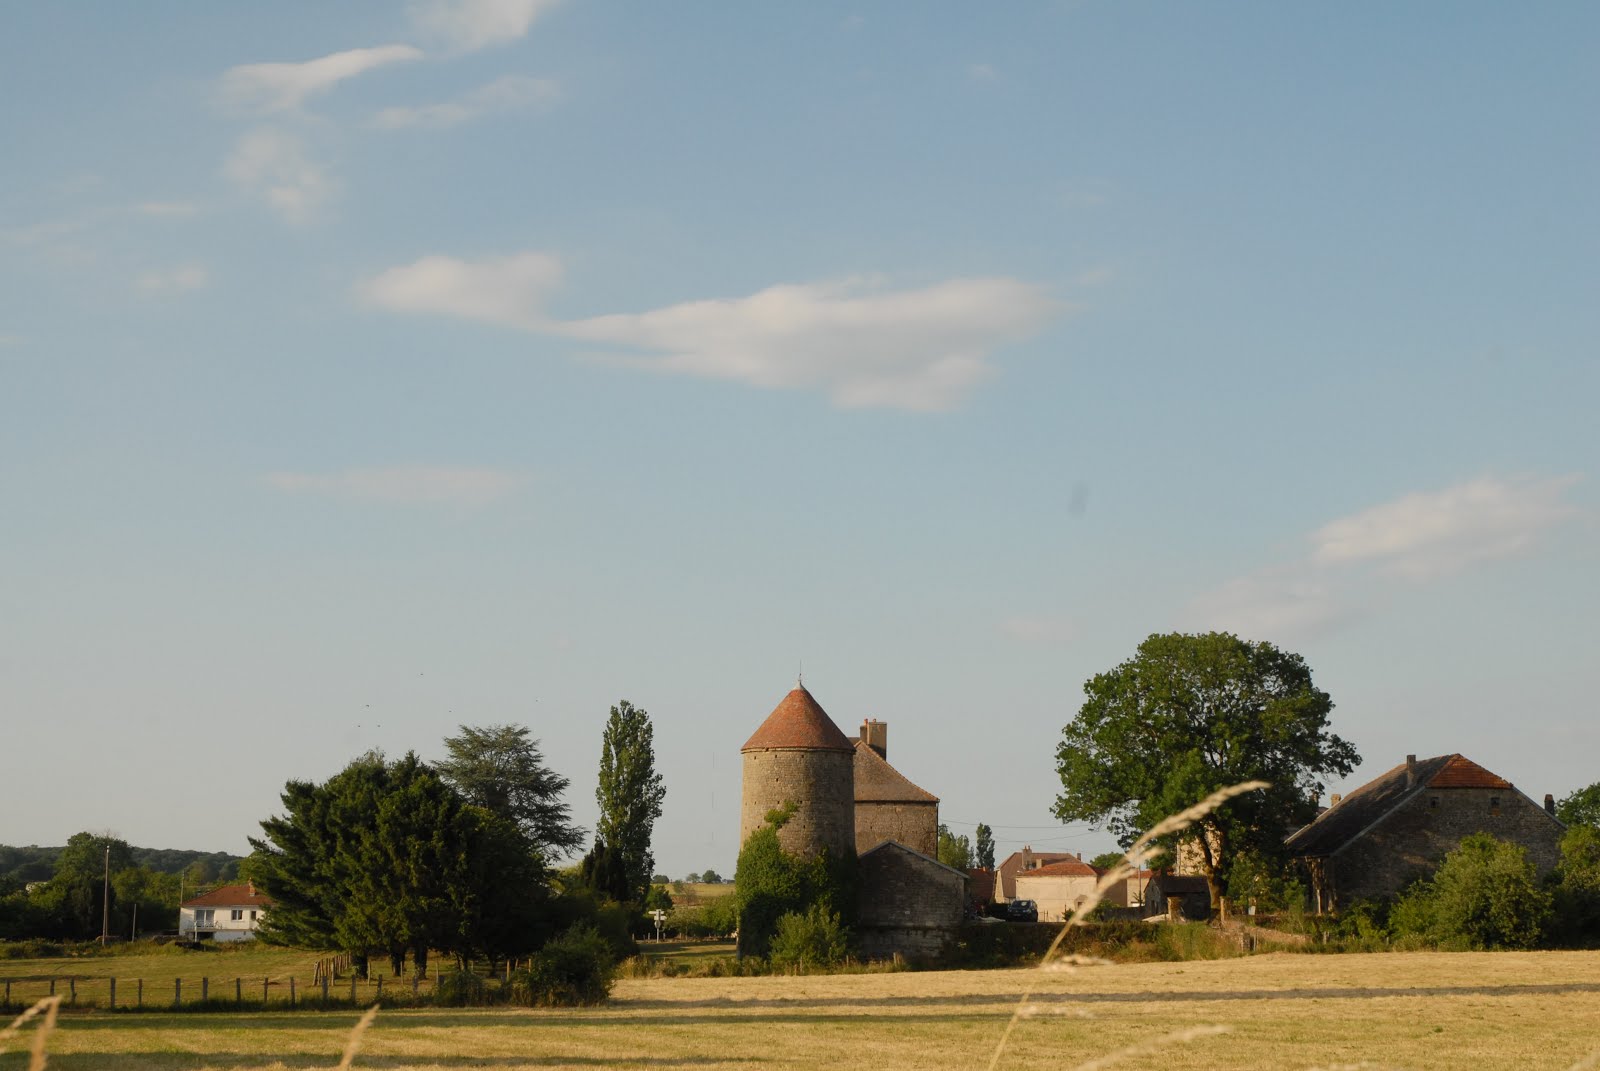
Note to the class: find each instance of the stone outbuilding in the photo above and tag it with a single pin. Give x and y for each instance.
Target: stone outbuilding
(888, 805)
(1399, 826)
(910, 903)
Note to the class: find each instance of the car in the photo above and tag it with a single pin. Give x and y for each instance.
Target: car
(1022, 911)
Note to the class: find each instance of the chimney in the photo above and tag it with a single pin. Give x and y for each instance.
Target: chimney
(1027, 857)
(1334, 802)
(1549, 804)
(875, 734)
(1411, 770)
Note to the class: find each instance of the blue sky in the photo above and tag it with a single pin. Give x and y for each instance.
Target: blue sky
(372, 369)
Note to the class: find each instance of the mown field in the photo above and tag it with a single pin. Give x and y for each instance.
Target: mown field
(1528, 1011)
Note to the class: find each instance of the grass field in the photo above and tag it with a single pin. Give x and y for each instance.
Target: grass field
(1532, 1011)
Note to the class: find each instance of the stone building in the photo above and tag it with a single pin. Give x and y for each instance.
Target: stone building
(1058, 888)
(910, 903)
(888, 805)
(1005, 875)
(1398, 827)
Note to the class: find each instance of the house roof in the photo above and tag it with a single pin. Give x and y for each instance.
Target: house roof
(980, 883)
(1179, 884)
(1066, 868)
(231, 896)
(1011, 866)
(894, 845)
(878, 782)
(1356, 812)
(800, 723)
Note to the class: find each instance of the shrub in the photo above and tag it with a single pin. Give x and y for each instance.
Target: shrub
(462, 989)
(576, 968)
(1577, 889)
(811, 940)
(1485, 894)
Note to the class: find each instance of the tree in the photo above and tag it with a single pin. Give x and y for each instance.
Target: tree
(1186, 716)
(1577, 891)
(710, 877)
(80, 880)
(770, 883)
(1581, 808)
(1486, 894)
(983, 850)
(1106, 860)
(954, 851)
(630, 793)
(499, 768)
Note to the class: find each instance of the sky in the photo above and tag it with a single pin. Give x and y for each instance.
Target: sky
(367, 370)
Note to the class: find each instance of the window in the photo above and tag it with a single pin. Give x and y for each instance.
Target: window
(1494, 804)
(205, 916)
(1433, 802)
(237, 914)
(252, 916)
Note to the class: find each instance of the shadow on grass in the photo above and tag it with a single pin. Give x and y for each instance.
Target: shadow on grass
(181, 1061)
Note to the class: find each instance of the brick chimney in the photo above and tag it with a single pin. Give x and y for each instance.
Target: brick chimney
(1549, 804)
(1411, 770)
(875, 734)
(1334, 802)
(1027, 857)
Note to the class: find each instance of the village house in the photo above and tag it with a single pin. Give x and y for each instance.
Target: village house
(1005, 875)
(226, 913)
(1058, 888)
(1399, 826)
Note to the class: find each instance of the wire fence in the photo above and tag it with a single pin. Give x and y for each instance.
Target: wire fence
(323, 988)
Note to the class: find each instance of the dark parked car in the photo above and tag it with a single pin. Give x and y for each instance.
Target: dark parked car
(1022, 911)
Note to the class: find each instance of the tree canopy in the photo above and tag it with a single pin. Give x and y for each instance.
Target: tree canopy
(1191, 714)
(983, 848)
(954, 850)
(629, 793)
(500, 768)
(1580, 808)
(1486, 894)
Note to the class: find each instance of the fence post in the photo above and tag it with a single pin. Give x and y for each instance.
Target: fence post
(238, 991)
(291, 991)
(324, 990)
(415, 979)
(205, 989)
(72, 990)
(264, 982)
(8, 992)
(352, 988)
(380, 989)
(52, 985)
(113, 994)
(141, 992)
(177, 992)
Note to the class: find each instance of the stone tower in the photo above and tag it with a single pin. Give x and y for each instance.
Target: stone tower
(799, 756)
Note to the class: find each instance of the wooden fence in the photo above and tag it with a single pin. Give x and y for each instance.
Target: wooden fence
(322, 989)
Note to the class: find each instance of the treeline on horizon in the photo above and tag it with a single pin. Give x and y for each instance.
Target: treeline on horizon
(23, 865)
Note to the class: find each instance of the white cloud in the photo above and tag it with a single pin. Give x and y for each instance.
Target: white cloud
(273, 165)
(921, 349)
(279, 87)
(1435, 533)
(468, 25)
(411, 485)
(1418, 538)
(509, 94)
(178, 280)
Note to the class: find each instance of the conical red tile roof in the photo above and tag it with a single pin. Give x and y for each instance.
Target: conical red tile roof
(799, 722)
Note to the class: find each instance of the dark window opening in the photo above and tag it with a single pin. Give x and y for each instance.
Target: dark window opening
(1433, 802)
(1494, 804)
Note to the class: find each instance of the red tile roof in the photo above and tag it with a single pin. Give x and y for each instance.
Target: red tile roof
(1462, 772)
(1067, 868)
(980, 884)
(878, 782)
(231, 896)
(799, 722)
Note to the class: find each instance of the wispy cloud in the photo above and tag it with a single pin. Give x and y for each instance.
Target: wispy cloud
(861, 344)
(1418, 538)
(512, 93)
(468, 25)
(280, 87)
(177, 280)
(409, 485)
(275, 166)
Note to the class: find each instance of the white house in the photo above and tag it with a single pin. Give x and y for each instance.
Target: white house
(1057, 888)
(228, 913)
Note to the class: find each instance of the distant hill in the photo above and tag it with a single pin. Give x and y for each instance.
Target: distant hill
(33, 863)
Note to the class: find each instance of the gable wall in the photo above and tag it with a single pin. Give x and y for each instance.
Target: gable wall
(1413, 839)
(916, 825)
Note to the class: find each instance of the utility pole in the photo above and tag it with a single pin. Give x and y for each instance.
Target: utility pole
(105, 901)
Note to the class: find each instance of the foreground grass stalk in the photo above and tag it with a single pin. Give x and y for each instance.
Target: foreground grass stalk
(48, 1007)
(1144, 851)
(352, 1044)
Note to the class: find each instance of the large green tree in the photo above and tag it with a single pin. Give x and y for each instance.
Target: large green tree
(500, 768)
(983, 847)
(1190, 714)
(1581, 808)
(954, 850)
(629, 793)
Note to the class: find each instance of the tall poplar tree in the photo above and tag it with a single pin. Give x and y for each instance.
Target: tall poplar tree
(629, 793)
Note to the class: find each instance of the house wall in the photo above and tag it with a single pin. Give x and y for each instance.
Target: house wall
(1411, 841)
(908, 904)
(916, 825)
(223, 927)
(1055, 894)
(821, 784)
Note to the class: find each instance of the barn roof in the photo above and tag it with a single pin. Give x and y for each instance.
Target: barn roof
(1355, 813)
(878, 782)
(231, 896)
(799, 723)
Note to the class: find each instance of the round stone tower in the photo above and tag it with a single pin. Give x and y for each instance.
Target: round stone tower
(799, 756)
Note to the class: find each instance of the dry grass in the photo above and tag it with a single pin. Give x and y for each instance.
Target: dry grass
(1535, 1011)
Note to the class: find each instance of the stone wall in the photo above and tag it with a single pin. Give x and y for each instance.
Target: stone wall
(1411, 841)
(916, 825)
(909, 903)
(821, 784)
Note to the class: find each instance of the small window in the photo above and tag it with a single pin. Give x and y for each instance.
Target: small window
(1494, 804)
(252, 916)
(237, 914)
(1433, 802)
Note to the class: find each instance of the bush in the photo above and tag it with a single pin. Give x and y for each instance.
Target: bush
(814, 939)
(576, 968)
(1577, 889)
(462, 989)
(1484, 895)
